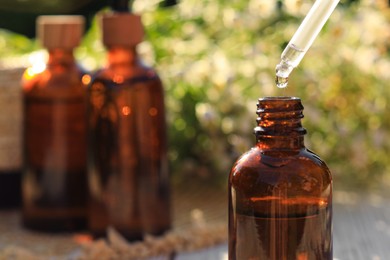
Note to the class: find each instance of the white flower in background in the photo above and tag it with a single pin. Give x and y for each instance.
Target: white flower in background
(266, 84)
(190, 9)
(143, 6)
(210, 12)
(366, 58)
(364, 38)
(198, 44)
(292, 6)
(198, 72)
(206, 114)
(262, 8)
(246, 68)
(222, 70)
(229, 17)
(189, 29)
(374, 27)
(298, 7)
(383, 68)
(146, 51)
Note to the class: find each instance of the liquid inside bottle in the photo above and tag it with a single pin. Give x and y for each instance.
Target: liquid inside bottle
(128, 155)
(280, 236)
(280, 203)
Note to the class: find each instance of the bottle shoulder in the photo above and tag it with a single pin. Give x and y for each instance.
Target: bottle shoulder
(113, 79)
(49, 77)
(125, 72)
(53, 83)
(269, 167)
(257, 157)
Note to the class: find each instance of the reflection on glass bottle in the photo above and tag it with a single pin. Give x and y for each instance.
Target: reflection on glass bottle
(280, 193)
(127, 162)
(54, 181)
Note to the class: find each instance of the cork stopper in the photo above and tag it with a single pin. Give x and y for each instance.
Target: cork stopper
(60, 31)
(122, 29)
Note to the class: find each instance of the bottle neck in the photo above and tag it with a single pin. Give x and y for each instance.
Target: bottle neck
(61, 60)
(280, 142)
(119, 57)
(279, 124)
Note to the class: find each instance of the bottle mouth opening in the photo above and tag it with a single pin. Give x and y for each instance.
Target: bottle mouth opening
(279, 104)
(281, 98)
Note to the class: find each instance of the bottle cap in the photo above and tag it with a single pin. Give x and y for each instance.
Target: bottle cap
(60, 31)
(123, 29)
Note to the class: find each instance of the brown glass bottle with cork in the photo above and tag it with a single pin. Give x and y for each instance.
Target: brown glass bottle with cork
(127, 158)
(280, 193)
(54, 180)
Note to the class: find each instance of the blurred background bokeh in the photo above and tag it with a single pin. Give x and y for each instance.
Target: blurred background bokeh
(217, 57)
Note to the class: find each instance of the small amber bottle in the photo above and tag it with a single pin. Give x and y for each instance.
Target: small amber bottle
(54, 181)
(280, 193)
(127, 162)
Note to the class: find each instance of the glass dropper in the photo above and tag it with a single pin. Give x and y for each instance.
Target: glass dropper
(303, 39)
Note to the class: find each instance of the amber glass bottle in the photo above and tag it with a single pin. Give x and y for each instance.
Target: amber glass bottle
(127, 158)
(54, 180)
(280, 193)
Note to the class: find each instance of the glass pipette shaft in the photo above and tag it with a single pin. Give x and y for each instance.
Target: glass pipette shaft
(304, 37)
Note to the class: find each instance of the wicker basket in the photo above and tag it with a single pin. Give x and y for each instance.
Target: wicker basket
(10, 119)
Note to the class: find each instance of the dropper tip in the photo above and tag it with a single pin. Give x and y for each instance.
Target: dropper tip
(283, 70)
(281, 82)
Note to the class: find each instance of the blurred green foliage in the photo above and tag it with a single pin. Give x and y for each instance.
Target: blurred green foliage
(217, 58)
(19, 16)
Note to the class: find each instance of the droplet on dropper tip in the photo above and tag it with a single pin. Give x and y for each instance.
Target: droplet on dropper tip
(281, 82)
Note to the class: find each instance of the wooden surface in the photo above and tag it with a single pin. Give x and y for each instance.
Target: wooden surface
(361, 228)
(199, 221)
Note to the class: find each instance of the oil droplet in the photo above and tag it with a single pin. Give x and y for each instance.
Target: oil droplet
(281, 82)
